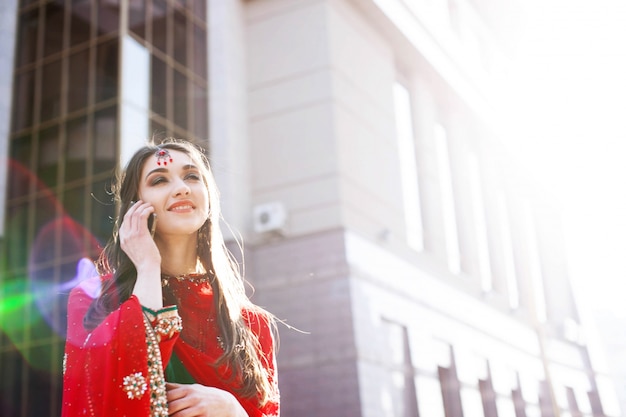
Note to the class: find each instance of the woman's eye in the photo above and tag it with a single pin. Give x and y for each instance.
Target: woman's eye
(157, 180)
(194, 177)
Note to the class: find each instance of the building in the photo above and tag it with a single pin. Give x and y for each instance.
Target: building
(359, 152)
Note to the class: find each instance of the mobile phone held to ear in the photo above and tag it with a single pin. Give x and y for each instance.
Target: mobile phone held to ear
(152, 221)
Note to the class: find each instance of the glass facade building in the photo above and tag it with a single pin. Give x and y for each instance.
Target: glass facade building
(91, 78)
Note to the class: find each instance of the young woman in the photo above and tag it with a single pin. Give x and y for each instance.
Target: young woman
(169, 330)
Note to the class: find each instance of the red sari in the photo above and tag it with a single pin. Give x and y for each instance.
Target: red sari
(118, 369)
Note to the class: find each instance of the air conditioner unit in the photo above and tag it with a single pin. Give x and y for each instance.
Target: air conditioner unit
(269, 217)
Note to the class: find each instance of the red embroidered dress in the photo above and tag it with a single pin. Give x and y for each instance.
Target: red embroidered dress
(118, 369)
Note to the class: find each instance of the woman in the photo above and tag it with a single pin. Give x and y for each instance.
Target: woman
(171, 331)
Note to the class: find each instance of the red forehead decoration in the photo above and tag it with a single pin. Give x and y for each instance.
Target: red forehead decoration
(163, 156)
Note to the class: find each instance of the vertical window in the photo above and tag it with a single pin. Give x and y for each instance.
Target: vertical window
(404, 399)
(450, 388)
(518, 402)
(447, 199)
(408, 168)
(536, 273)
(507, 249)
(484, 261)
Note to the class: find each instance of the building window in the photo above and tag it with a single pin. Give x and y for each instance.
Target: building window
(478, 209)
(453, 255)
(408, 168)
(401, 370)
(508, 252)
(536, 273)
(63, 149)
(450, 388)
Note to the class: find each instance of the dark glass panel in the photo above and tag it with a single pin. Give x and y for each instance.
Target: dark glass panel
(108, 16)
(157, 130)
(74, 203)
(137, 17)
(12, 379)
(38, 390)
(21, 156)
(46, 229)
(159, 87)
(48, 159)
(103, 210)
(80, 21)
(76, 149)
(105, 131)
(180, 38)
(107, 70)
(27, 43)
(53, 39)
(159, 24)
(199, 9)
(78, 85)
(17, 236)
(51, 90)
(23, 98)
(21, 176)
(180, 99)
(200, 51)
(200, 108)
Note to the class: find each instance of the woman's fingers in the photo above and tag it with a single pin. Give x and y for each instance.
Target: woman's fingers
(136, 218)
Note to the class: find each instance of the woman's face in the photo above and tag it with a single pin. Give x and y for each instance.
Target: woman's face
(177, 191)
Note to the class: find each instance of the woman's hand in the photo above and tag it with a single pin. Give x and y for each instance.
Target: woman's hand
(195, 400)
(136, 242)
(135, 239)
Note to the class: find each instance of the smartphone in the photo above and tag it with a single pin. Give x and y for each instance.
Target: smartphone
(152, 220)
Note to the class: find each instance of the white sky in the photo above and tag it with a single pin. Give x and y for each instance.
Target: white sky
(571, 81)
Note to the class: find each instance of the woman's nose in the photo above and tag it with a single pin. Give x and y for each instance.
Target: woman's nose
(181, 188)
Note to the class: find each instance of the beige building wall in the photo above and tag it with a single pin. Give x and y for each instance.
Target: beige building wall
(303, 123)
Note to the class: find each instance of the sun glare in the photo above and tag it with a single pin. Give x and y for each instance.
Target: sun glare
(568, 101)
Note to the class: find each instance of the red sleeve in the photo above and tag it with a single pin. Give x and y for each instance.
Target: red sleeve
(106, 372)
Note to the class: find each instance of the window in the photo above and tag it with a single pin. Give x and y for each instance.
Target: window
(453, 254)
(536, 273)
(403, 395)
(508, 254)
(408, 168)
(478, 209)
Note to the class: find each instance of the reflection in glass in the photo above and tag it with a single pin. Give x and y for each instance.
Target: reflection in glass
(102, 209)
(108, 16)
(199, 8)
(180, 38)
(159, 87)
(106, 70)
(27, 50)
(48, 159)
(23, 98)
(17, 238)
(200, 112)
(137, 17)
(157, 130)
(74, 203)
(200, 51)
(78, 86)
(76, 149)
(19, 180)
(53, 41)
(159, 24)
(104, 134)
(180, 99)
(51, 90)
(80, 21)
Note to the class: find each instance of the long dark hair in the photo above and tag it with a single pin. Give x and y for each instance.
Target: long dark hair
(228, 285)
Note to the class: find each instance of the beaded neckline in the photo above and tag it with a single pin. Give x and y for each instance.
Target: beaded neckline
(193, 277)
